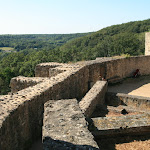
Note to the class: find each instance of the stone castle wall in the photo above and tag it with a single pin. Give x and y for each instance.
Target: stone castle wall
(21, 114)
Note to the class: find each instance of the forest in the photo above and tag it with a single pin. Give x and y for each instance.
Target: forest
(30, 50)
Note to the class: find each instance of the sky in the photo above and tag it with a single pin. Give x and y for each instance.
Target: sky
(68, 16)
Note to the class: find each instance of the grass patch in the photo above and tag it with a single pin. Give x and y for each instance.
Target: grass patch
(6, 48)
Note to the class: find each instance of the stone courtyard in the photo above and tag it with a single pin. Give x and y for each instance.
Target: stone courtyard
(133, 86)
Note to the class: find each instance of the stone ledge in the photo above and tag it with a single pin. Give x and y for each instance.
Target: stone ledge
(116, 99)
(65, 127)
(121, 125)
(94, 97)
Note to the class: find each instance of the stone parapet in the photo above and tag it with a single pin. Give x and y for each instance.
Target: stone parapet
(42, 70)
(52, 69)
(65, 127)
(20, 82)
(94, 97)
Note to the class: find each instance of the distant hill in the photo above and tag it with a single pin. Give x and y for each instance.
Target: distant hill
(127, 38)
(30, 50)
(37, 41)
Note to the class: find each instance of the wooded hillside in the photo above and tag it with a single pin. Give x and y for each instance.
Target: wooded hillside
(127, 38)
(30, 50)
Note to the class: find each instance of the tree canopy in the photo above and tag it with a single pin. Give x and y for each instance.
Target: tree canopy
(30, 50)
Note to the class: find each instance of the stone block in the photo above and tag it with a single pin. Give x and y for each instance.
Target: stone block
(65, 127)
(95, 96)
(121, 125)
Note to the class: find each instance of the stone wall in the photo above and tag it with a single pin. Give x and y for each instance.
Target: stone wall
(125, 67)
(21, 114)
(52, 69)
(65, 127)
(20, 82)
(147, 43)
(110, 68)
(42, 70)
(94, 97)
(23, 111)
(116, 99)
(121, 125)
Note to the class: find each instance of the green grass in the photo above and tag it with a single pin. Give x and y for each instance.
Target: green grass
(6, 48)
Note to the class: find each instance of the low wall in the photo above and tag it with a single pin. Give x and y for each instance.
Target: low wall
(125, 67)
(52, 69)
(121, 125)
(116, 99)
(110, 68)
(107, 68)
(65, 127)
(42, 70)
(20, 82)
(94, 97)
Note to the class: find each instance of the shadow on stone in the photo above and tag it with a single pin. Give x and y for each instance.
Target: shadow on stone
(100, 111)
(51, 144)
(37, 145)
(110, 143)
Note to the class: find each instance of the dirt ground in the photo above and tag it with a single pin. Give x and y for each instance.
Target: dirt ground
(135, 145)
(125, 143)
(133, 86)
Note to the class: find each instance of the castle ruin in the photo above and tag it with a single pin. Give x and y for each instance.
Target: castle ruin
(66, 105)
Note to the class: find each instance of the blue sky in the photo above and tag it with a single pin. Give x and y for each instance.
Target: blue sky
(68, 16)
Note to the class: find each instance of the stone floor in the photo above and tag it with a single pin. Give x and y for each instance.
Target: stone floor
(109, 111)
(133, 86)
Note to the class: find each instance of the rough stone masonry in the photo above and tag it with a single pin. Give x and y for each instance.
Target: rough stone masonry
(147, 43)
(65, 127)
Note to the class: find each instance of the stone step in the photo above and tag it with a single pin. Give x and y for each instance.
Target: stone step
(121, 125)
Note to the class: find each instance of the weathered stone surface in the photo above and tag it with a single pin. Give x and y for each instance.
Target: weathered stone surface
(52, 69)
(72, 83)
(121, 125)
(42, 70)
(20, 82)
(116, 99)
(68, 84)
(147, 43)
(65, 127)
(95, 96)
